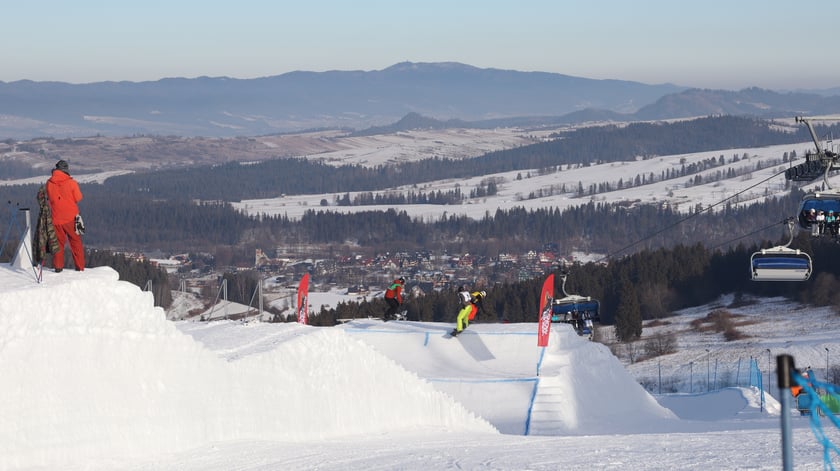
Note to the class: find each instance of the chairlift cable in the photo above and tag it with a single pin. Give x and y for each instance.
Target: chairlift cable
(748, 235)
(690, 216)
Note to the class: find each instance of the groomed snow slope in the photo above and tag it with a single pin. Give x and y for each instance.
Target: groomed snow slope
(91, 370)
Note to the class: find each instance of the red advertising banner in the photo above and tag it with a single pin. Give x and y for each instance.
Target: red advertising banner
(546, 299)
(303, 300)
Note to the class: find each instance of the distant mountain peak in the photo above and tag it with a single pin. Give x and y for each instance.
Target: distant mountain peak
(429, 66)
(451, 92)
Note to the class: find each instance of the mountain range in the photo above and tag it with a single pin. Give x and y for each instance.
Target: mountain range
(360, 100)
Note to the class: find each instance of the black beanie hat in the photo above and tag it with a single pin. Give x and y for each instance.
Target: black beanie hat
(62, 165)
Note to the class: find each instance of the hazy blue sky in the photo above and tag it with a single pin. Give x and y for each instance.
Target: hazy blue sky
(728, 44)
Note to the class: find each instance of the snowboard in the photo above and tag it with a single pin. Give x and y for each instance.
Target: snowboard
(400, 316)
(452, 334)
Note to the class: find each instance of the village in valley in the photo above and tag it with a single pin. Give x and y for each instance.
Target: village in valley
(353, 277)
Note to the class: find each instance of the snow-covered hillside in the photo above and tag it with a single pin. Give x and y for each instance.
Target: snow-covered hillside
(767, 327)
(515, 188)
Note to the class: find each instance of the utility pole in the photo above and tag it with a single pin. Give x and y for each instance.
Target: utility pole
(826, 365)
(691, 376)
(769, 368)
(708, 375)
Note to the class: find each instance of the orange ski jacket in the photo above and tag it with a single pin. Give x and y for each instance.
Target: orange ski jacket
(395, 291)
(64, 194)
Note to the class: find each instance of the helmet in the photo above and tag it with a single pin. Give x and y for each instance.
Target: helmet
(402, 279)
(62, 165)
(482, 294)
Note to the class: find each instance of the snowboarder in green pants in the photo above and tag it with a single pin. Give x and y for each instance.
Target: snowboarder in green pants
(471, 302)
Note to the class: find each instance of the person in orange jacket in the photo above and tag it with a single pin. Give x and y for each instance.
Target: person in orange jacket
(64, 195)
(393, 296)
(796, 389)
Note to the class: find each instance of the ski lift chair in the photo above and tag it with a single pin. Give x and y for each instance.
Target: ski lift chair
(580, 311)
(824, 201)
(781, 263)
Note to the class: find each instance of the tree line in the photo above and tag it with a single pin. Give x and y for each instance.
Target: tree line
(144, 223)
(649, 284)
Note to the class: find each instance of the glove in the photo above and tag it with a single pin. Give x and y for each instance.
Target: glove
(80, 225)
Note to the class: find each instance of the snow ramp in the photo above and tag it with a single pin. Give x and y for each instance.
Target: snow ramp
(572, 387)
(91, 371)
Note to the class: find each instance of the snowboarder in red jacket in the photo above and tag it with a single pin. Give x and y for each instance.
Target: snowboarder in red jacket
(64, 195)
(393, 296)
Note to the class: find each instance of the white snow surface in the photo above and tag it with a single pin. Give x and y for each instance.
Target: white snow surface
(95, 377)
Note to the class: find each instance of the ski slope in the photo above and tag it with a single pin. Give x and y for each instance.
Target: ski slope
(94, 377)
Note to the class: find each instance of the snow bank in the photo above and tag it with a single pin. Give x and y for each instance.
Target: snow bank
(596, 393)
(91, 370)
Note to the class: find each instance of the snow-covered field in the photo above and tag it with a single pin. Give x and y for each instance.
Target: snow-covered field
(515, 188)
(770, 326)
(94, 377)
(410, 146)
(330, 147)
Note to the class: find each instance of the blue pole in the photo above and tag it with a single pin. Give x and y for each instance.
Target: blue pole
(784, 367)
(787, 458)
(759, 379)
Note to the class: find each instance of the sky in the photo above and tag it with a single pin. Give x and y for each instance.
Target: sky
(712, 44)
(95, 377)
